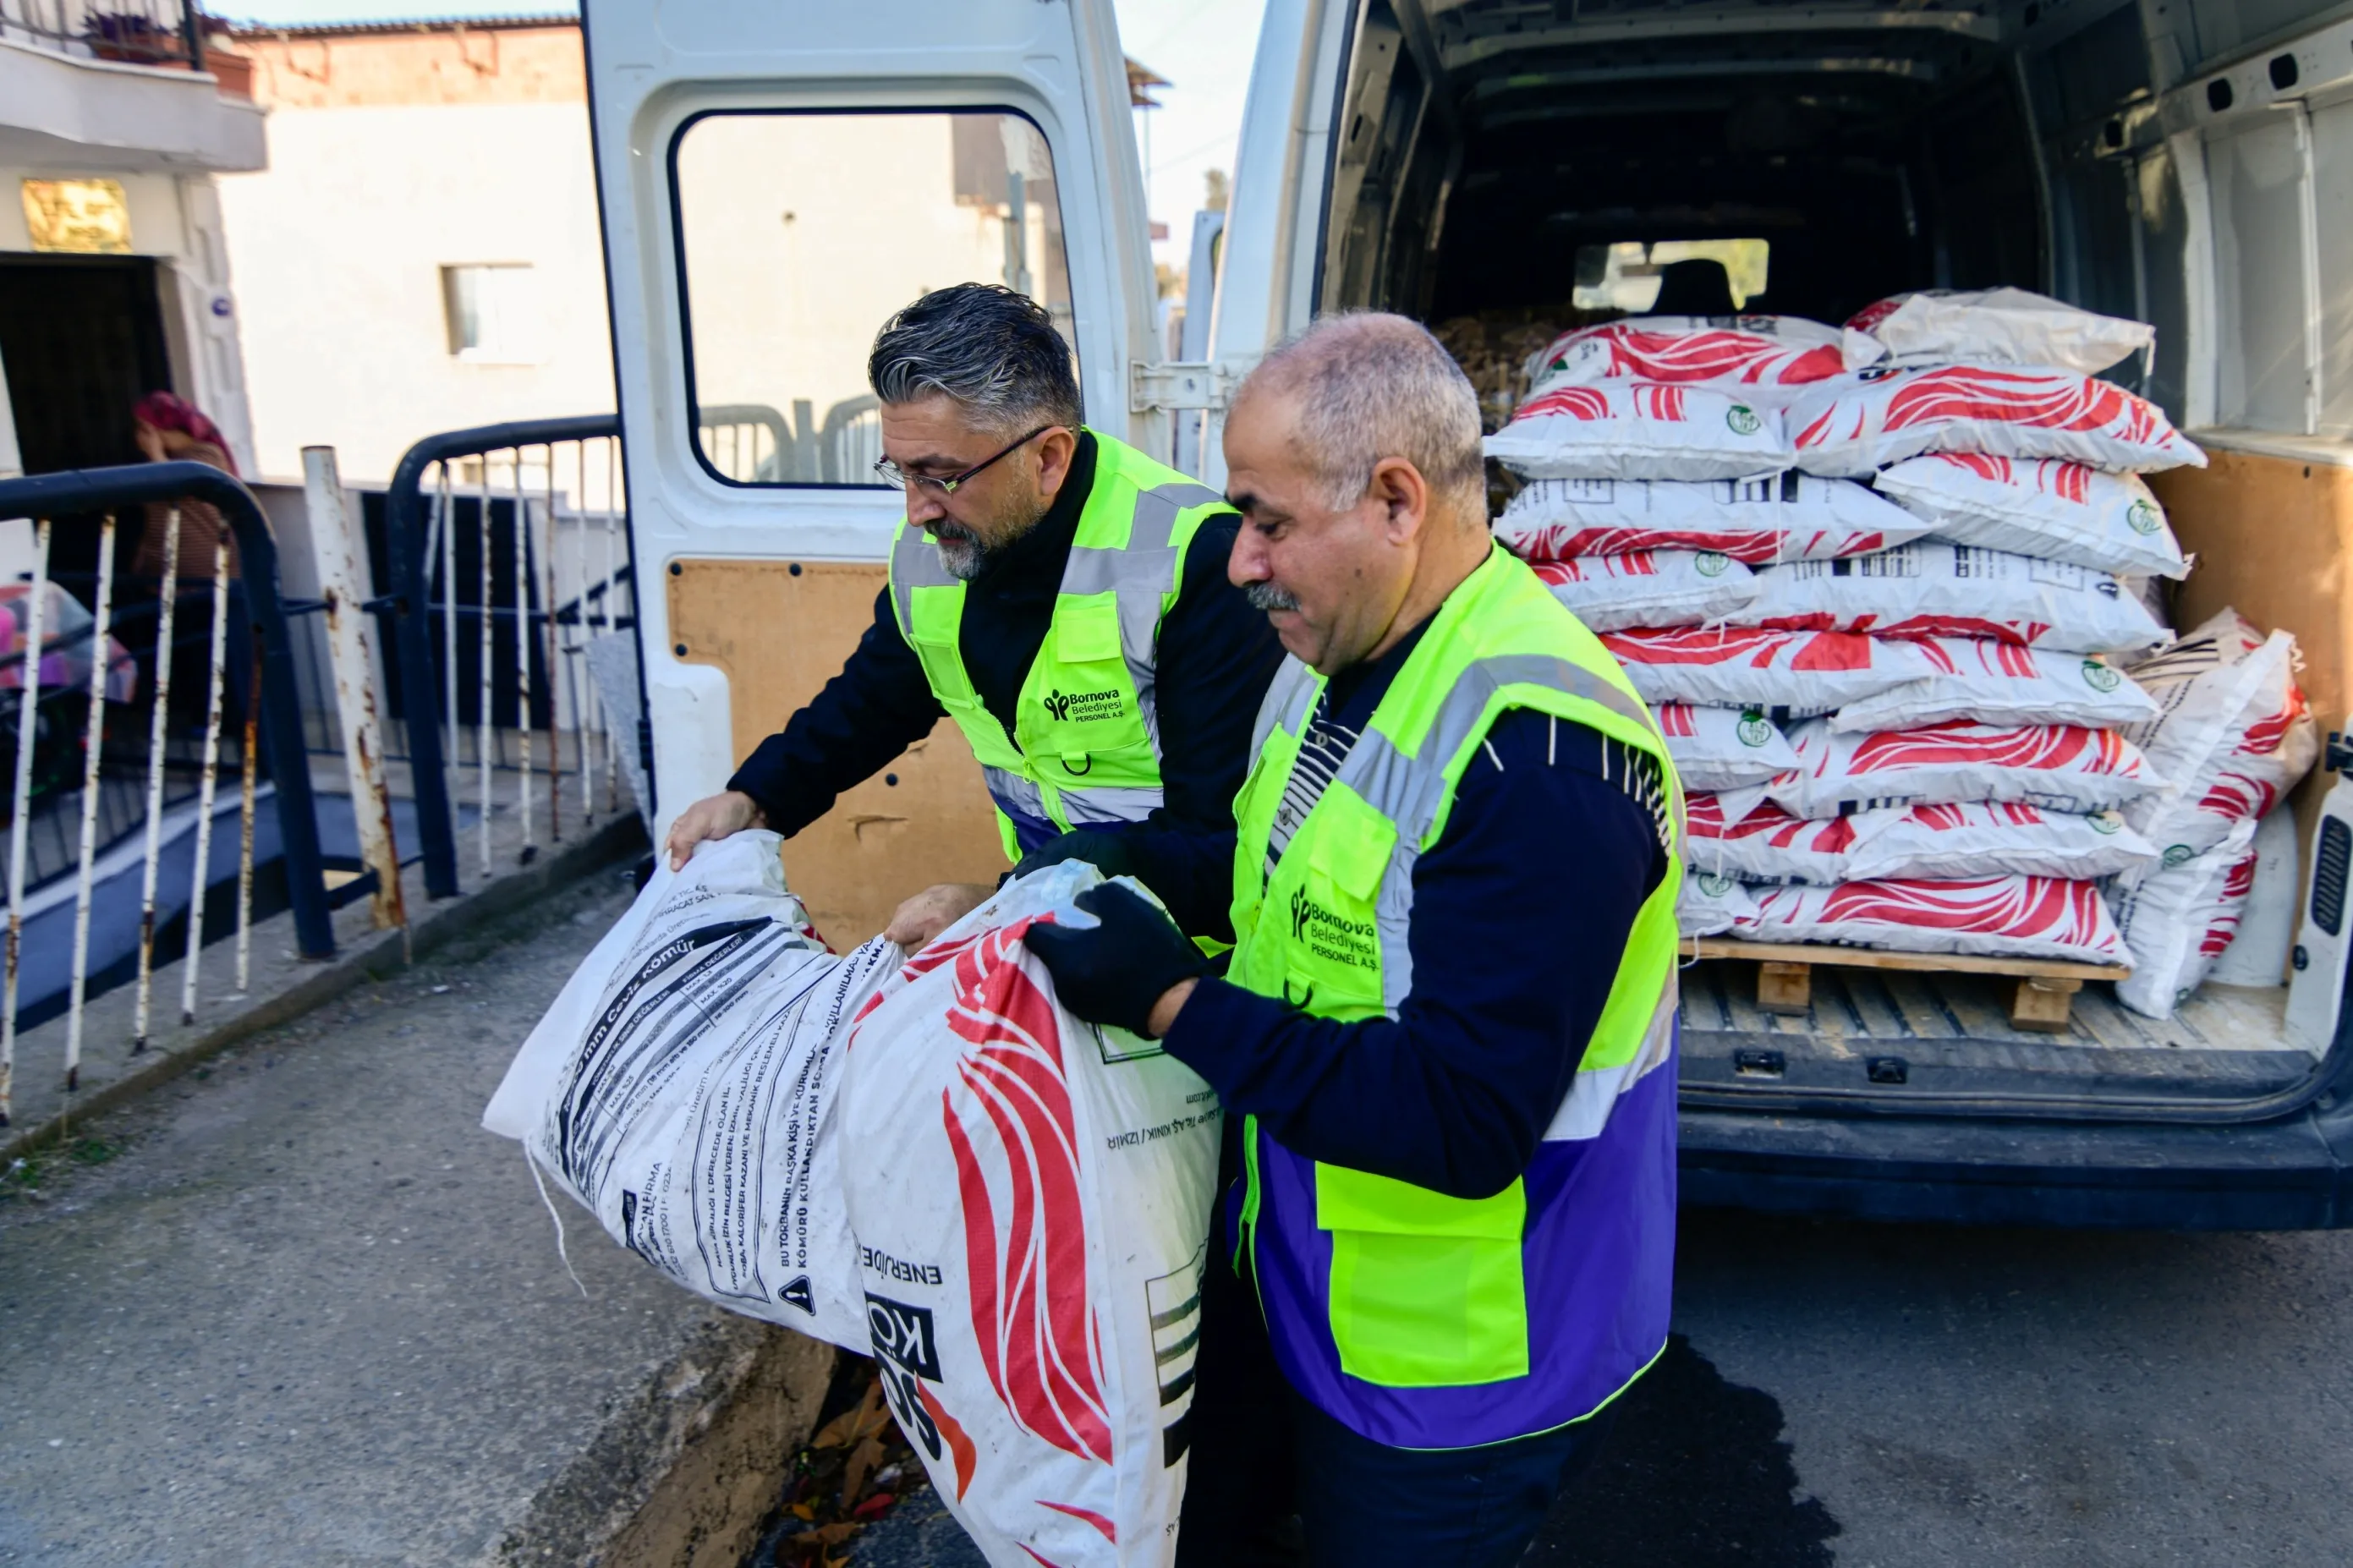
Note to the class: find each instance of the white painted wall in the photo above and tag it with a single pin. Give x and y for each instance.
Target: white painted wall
(338, 249)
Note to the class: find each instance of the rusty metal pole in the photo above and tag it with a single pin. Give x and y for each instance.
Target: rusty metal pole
(200, 879)
(93, 750)
(28, 734)
(158, 737)
(347, 647)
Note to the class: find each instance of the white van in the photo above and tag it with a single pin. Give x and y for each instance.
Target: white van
(778, 176)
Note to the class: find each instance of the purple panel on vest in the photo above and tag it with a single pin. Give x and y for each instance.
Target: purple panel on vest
(1030, 830)
(1599, 1261)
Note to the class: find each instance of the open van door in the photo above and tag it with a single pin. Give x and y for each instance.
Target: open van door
(1271, 251)
(777, 178)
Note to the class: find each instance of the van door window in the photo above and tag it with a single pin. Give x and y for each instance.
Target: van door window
(799, 233)
(2332, 204)
(2258, 174)
(1626, 276)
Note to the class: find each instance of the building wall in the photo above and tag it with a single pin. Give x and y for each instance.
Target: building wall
(393, 156)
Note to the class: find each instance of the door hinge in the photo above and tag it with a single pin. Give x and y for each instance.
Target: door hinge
(1183, 385)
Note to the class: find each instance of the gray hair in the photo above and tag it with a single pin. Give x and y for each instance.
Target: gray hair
(991, 350)
(1370, 385)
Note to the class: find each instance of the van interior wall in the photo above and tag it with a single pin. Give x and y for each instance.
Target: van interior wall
(779, 630)
(2273, 537)
(1860, 193)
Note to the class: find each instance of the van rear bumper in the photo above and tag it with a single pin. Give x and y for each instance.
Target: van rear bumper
(2292, 1174)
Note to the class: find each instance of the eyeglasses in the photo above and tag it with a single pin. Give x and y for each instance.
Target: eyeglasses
(892, 474)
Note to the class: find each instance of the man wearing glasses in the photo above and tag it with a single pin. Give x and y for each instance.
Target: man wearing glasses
(1058, 594)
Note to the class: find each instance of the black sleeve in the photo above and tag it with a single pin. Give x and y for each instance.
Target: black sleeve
(1216, 657)
(1521, 912)
(875, 709)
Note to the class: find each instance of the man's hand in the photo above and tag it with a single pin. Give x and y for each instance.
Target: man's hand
(1105, 851)
(718, 817)
(1119, 971)
(933, 911)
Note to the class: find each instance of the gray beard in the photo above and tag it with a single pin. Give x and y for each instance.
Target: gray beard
(1268, 597)
(962, 555)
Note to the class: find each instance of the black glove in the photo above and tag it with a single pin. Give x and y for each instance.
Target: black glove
(1106, 852)
(1113, 973)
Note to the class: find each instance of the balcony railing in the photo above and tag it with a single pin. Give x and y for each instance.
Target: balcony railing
(168, 33)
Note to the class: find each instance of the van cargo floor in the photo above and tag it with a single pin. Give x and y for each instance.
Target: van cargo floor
(1913, 1034)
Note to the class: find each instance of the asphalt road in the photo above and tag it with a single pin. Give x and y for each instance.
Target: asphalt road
(1901, 1397)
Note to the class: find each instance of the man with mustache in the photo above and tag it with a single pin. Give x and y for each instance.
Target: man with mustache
(1058, 594)
(1445, 1044)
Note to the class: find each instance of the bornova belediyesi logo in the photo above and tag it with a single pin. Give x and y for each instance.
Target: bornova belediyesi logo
(1306, 913)
(1081, 707)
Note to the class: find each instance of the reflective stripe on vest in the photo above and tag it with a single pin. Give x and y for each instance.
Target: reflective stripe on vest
(1417, 1319)
(1085, 746)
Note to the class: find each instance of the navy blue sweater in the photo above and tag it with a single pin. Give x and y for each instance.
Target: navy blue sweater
(1521, 910)
(1216, 657)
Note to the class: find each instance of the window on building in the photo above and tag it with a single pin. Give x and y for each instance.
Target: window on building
(492, 313)
(800, 234)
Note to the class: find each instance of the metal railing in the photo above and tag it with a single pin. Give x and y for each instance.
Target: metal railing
(492, 618)
(139, 32)
(252, 673)
(751, 444)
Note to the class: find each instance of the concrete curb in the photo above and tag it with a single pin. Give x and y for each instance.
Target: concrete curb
(685, 1475)
(375, 958)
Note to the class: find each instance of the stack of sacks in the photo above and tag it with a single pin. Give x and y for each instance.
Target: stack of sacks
(1930, 648)
(2233, 736)
(1660, 481)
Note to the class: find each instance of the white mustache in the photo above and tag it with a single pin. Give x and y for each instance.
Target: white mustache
(1270, 596)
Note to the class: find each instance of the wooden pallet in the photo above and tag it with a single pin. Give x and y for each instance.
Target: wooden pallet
(1785, 975)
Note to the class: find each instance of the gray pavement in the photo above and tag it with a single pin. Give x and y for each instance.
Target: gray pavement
(296, 1307)
(1912, 1397)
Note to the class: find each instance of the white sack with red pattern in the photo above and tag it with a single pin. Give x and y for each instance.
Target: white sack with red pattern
(1030, 1196)
(2178, 922)
(1710, 905)
(1648, 588)
(683, 1087)
(1784, 675)
(1927, 589)
(2059, 510)
(1765, 844)
(1640, 430)
(1985, 837)
(1760, 520)
(2233, 736)
(1994, 917)
(1723, 748)
(1762, 359)
(1859, 423)
(1990, 682)
(2064, 767)
(2008, 326)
